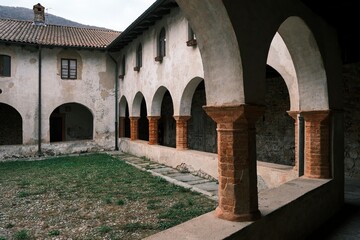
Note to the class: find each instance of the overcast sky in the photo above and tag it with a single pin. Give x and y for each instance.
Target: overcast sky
(112, 14)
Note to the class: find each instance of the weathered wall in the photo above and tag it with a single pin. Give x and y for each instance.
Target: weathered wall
(202, 134)
(275, 130)
(94, 89)
(180, 65)
(351, 77)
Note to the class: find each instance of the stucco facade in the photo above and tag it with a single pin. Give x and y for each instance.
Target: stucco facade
(92, 90)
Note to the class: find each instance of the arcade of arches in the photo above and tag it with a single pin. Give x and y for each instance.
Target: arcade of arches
(236, 97)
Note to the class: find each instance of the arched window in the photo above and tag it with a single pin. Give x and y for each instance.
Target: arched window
(122, 69)
(161, 45)
(138, 58)
(5, 66)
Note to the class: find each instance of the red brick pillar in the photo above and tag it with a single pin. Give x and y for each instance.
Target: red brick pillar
(181, 132)
(238, 194)
(121, 127)
(294, 115)
(153, 129)
(317, 144)
(134, 128)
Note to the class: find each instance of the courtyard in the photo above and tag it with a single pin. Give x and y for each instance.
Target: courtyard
(90, 196)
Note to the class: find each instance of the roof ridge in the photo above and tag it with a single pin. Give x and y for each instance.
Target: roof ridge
(56, 25)
(25, 32)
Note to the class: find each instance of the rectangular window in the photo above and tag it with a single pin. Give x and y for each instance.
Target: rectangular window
(5, 66)
(68, 68)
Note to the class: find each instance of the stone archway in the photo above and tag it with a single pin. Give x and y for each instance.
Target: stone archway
(124, 120)
(139, 124)
(234, 72)
(11, 125)
(70, 122)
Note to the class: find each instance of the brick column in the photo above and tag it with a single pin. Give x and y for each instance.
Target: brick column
(238, 194)
(317, 144)
(181, 132)
(153, 129)
(294, 115)
(121, 127)
(134, 128)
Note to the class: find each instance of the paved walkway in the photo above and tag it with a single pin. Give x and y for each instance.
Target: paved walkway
(343, 226)
(208, 187)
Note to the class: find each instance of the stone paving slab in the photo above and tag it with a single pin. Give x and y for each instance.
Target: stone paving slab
(165, 170)
(187, 177)
(209, 186)
(198, 181)
(175, 176)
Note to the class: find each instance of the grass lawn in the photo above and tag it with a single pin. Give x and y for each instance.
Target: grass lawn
(90, 197)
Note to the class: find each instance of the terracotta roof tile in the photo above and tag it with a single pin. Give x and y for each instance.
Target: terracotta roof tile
(18, 31)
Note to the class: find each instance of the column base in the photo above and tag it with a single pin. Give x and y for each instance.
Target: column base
(246, 217)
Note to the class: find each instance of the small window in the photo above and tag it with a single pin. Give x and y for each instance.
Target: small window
(138, 58)
(68, 68)
(122, 69)
(5, 66)
(191, 38)
(161, 45)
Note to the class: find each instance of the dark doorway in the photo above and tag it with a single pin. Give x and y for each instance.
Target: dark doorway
(202, 135)
(69, 122)
(10, 125)
(143, 122)
(57, 128)
(167, 123)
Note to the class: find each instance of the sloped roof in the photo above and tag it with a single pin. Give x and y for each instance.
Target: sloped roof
(154, 13)
(25, 32)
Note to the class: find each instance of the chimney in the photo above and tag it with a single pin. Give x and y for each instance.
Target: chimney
(39, 15)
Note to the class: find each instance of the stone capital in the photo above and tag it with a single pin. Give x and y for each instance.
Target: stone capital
(182, 118)
(238, 113)
(153, 118)
(293, 114)
(316, 116)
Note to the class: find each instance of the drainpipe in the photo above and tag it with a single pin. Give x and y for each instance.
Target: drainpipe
(116, 105)
(301, 145)
(39, 105)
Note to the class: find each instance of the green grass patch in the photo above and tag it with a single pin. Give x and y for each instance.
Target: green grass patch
(54, 233)
(22, 235)
(104, 229)
(95, 187)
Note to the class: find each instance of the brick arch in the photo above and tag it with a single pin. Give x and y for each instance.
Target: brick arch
(308, 63)
(280, 59)
(122, 106)
(187, 96)
(223, 70)
(136, 105)
(157, 100)
(235, 71)
(71, 121)
(11, 122)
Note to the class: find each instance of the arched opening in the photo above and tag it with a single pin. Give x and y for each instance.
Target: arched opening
(11, 125)
(70, 122)
(167, 123)
(143, 122)
(275, 130)
(124, 120)
(202, 135)
(127, 123)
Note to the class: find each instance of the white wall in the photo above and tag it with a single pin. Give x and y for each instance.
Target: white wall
(180, 65)
(94, 89)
